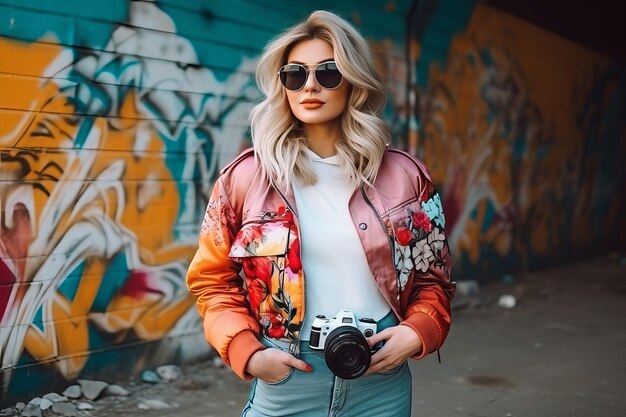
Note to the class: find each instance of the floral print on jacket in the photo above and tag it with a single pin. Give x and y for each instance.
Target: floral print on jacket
(269, 250)
(419, 239)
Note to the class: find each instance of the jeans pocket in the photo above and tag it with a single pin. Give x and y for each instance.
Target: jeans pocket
(392, 370)
(280, 381)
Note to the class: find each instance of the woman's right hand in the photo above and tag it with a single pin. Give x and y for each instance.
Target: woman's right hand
(272, 365)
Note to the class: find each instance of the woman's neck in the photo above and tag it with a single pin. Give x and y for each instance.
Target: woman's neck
(322, 138)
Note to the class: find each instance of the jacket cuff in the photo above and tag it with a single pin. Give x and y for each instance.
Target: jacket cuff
(240, 349)
(427, 330)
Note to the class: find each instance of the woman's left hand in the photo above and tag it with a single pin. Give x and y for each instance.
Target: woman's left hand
(401, 343)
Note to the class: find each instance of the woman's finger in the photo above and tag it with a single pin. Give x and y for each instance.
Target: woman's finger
(299, 364)
(378, 337)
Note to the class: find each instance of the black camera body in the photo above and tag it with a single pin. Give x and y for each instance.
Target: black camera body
(343, 340)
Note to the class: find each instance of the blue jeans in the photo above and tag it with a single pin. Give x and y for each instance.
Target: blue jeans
(321, 393)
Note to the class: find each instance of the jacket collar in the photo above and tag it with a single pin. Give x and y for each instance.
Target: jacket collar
(287, 195)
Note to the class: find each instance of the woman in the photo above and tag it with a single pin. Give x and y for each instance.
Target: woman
(324, 220)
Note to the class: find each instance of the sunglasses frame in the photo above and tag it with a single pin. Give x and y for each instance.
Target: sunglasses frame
(308, 73)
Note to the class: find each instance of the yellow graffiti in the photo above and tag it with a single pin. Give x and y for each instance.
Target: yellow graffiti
(37, 134)
(497, 88)
(67, 337)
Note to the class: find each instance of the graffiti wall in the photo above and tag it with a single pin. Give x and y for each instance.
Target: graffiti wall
(525, 132)
(115, 118)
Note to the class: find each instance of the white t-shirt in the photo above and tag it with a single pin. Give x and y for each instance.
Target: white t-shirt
(337, 275)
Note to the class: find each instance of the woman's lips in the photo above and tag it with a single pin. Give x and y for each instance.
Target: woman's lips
(312, 103)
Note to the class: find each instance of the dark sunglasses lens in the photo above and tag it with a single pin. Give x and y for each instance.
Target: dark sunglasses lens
(328, 75)
(293, 77)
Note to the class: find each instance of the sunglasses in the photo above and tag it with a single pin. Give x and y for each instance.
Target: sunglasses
(293, 76)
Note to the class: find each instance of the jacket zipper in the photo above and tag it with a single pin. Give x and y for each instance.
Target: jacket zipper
(294, 346)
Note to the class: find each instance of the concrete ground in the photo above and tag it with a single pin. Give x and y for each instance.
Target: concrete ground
(561, 351)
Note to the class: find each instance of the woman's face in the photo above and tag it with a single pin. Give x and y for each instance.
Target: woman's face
(314, 104)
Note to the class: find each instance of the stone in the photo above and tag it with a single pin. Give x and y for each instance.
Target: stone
(92, 389)
(45, 404)
(169, 372)
(36, 401)
(7, 411)
(20, 406)
(507, 301)
(31, 410)
(115, 391)
(73, 391)
(150, 377)
(67, 409)
(218, 362)
(153, 404)
(468, 287)
(84, 406)
(55, 398)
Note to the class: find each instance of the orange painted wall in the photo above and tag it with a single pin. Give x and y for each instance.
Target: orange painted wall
(524, 132)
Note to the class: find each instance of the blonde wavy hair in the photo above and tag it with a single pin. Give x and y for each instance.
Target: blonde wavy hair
(277, 135)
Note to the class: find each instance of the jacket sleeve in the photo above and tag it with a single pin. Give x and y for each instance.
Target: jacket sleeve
(215, 282)
(428, 308)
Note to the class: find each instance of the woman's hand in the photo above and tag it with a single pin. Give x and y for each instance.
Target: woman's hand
(272, 365)
(401, 343)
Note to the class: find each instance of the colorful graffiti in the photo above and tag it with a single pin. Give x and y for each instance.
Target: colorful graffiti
(526, 149)
(114, 121)
(107, 159)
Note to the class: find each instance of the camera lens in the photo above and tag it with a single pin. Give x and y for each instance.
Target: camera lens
(347, 353)
(314, 342)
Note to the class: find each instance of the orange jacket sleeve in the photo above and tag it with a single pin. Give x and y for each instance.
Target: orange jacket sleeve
(220, 294)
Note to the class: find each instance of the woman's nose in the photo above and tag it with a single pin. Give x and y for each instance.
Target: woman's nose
(311, 82)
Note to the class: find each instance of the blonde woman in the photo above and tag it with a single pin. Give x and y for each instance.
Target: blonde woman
(346, 269)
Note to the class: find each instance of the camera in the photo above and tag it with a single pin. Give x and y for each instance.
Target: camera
(343, 340)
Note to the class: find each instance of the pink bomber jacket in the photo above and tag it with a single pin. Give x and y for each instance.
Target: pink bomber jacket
(252, 224)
